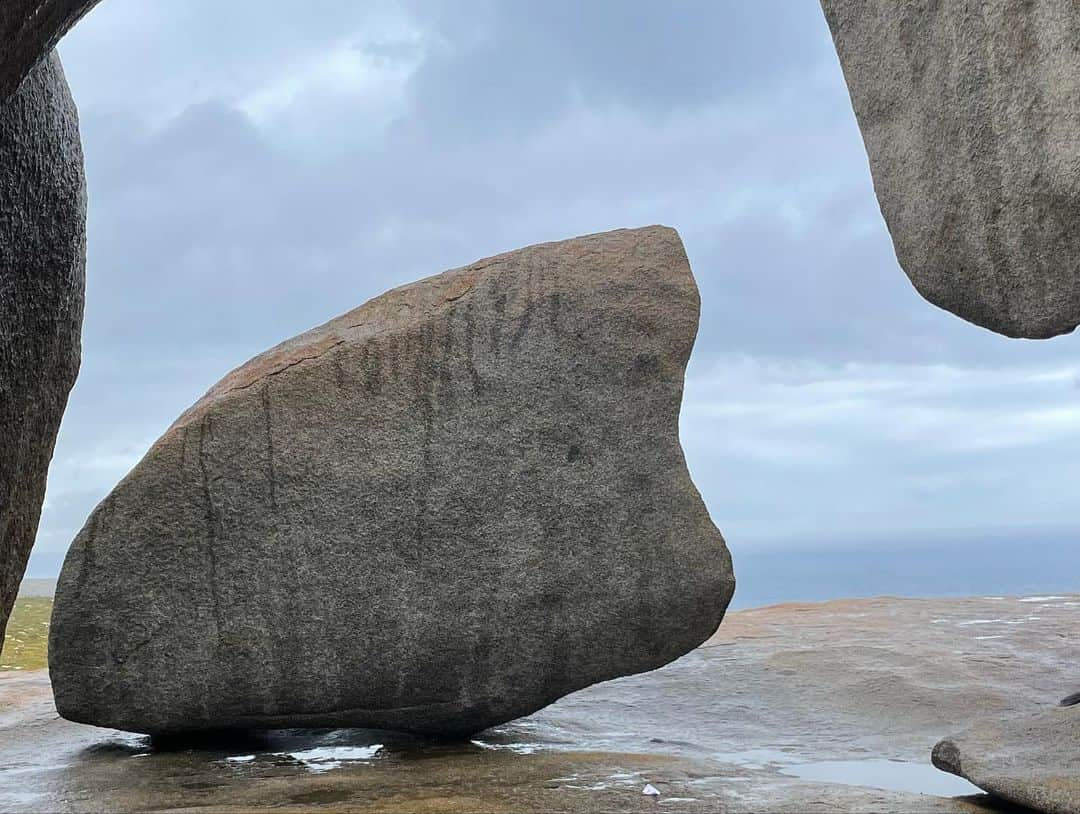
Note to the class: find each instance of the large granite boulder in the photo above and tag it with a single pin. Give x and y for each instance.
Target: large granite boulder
(440, 511)
(30, 29)
(42, 267)
(968, 109)
(1033, 761)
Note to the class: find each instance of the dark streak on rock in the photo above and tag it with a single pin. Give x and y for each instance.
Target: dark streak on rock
(470, 349)
(554, 307)
(87, 564)
(495, 330)
(339, 372)
(425, 388)
(268, 427)
(206, 429)
(523, 326)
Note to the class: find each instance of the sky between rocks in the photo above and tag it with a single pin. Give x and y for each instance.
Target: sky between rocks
(256, 168)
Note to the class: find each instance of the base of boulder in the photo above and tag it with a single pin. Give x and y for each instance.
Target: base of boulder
(1032, 761)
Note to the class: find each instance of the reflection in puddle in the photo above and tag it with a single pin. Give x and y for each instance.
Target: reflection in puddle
(325, 758)
(876, 773)
(890, 775)
(317, 758)
(519, 748)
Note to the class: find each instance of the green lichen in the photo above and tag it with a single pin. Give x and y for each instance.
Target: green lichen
(27, 636)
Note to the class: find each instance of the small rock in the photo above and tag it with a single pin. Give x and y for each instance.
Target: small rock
(1031, 761)
(650, 790)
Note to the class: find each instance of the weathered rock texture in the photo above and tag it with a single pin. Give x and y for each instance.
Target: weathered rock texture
(968, 109)
(1032, 761)
(438, 512)
(30, 29)
(42, 265)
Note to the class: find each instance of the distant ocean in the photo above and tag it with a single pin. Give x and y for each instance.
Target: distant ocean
(1006, 564)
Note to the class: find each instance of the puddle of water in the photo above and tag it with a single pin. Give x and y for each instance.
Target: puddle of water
(27, 798)
(889, 775)
(324, 758)
(876, 773)
(519, 748)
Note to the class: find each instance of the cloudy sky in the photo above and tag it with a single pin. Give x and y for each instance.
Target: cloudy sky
(256, 168)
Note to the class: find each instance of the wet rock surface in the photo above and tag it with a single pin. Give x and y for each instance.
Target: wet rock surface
(29, 30)
(794, 708)
(42, 277)
(968, 112)
(1033, 760)
(438, 512)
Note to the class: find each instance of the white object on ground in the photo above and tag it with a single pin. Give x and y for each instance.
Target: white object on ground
(651, 790)
(324, 758)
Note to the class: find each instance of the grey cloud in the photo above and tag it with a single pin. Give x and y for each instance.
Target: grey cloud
(218, 229)
(812, 295)
(194, 217)
(159, 57)
(508, 65)
(807, 453)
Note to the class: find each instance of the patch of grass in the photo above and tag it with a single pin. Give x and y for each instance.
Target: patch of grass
(27, 636)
